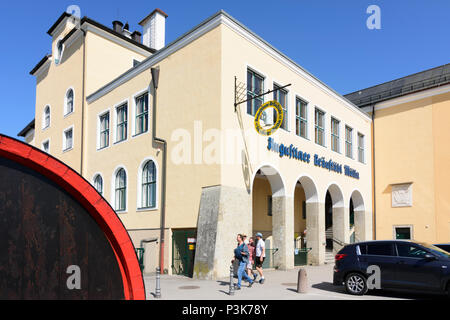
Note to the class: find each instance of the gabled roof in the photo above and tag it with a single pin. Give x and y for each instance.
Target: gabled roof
(93, 23)
(40, 64)
(56, 24)
(399, 87)
(25, 130)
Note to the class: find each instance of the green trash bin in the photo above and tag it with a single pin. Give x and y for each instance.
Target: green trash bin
(301, 257)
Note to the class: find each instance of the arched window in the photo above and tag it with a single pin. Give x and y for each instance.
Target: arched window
(98, 184)
(59, 51)
(149, 185)
(121, 190)
(46, 122)
(69, 102)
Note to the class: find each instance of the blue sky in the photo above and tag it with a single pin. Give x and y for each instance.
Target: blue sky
(328, 38)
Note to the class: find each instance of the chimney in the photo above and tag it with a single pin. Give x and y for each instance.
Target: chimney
(154, 29)
(117, 26)
(136, 36)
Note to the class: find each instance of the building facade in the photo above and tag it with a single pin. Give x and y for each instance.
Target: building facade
(169, 144)
(410, 139)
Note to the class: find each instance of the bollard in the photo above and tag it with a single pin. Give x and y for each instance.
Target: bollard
(302, 283)
(231, 292)
(158, 283)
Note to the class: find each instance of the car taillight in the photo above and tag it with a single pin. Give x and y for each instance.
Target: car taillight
(339, 257)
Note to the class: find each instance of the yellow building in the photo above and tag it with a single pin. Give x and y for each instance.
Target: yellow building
(164, 132)
(411, 137)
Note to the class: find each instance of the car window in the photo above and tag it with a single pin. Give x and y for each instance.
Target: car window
(410, 251)
(440, 252)
(380, 249)
(362, 249)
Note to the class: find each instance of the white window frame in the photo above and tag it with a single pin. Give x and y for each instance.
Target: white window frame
(139, 186)
(410, 226)
(324, 127)
(287, 107)
(99, 128)
(58, 55)
(64, 149)
(363, 147)
(352, 141)
(264, 82)
(98, 174)
(42, 145)
(113, 189)
(134, 112)
(44, 126)
(298, 97)
(339, 134)
(116, 106)
(65, 113)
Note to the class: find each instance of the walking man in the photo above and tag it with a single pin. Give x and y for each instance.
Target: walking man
(241, 254)
(260, 255)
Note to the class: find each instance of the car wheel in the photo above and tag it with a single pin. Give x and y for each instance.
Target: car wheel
(356, 284)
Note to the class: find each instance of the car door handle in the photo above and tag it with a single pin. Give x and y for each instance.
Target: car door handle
(401, 262)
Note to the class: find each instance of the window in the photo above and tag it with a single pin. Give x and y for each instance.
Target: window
(68, 108)
(380, 249)
(122, 119)
(46, 146)
(149, 185)
(280, 95)
(104, 131)
(68, 139)
(98, 184)
(335, 135)
(59, 51)
(255, 86)
(121, 190)
(319, 120)
(301, 118)
(403, 233)
(348, 142)
(410, 251)
(360, 147)
(142, 114)
(269, 206)
(46, 122)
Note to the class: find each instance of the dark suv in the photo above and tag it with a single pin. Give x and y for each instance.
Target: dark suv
(403, 265)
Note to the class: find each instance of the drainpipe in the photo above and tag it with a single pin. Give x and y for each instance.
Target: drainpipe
(155, 80)
(83, 98)
(373, 176)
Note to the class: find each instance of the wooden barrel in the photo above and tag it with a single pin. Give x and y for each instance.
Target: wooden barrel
(59, 239)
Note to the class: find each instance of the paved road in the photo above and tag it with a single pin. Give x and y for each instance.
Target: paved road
(279, 285)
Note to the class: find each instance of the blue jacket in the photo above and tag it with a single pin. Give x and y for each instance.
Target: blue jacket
(237, 253)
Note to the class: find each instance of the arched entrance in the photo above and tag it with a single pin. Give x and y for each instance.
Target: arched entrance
(306, 223)
(271, 217)
(336, 221)
(358, 230)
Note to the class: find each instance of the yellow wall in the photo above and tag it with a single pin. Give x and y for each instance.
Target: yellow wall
(188, 91)
(411, 145)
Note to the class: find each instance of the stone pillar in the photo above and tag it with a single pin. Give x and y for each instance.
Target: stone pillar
(315, 232)
(341, 227)
(224, 212)
(363, 225)
(283, 232)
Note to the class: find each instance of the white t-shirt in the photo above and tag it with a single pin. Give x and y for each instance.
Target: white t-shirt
(259, 248)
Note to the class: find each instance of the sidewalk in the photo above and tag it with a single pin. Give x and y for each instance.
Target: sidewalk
(279, 285)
